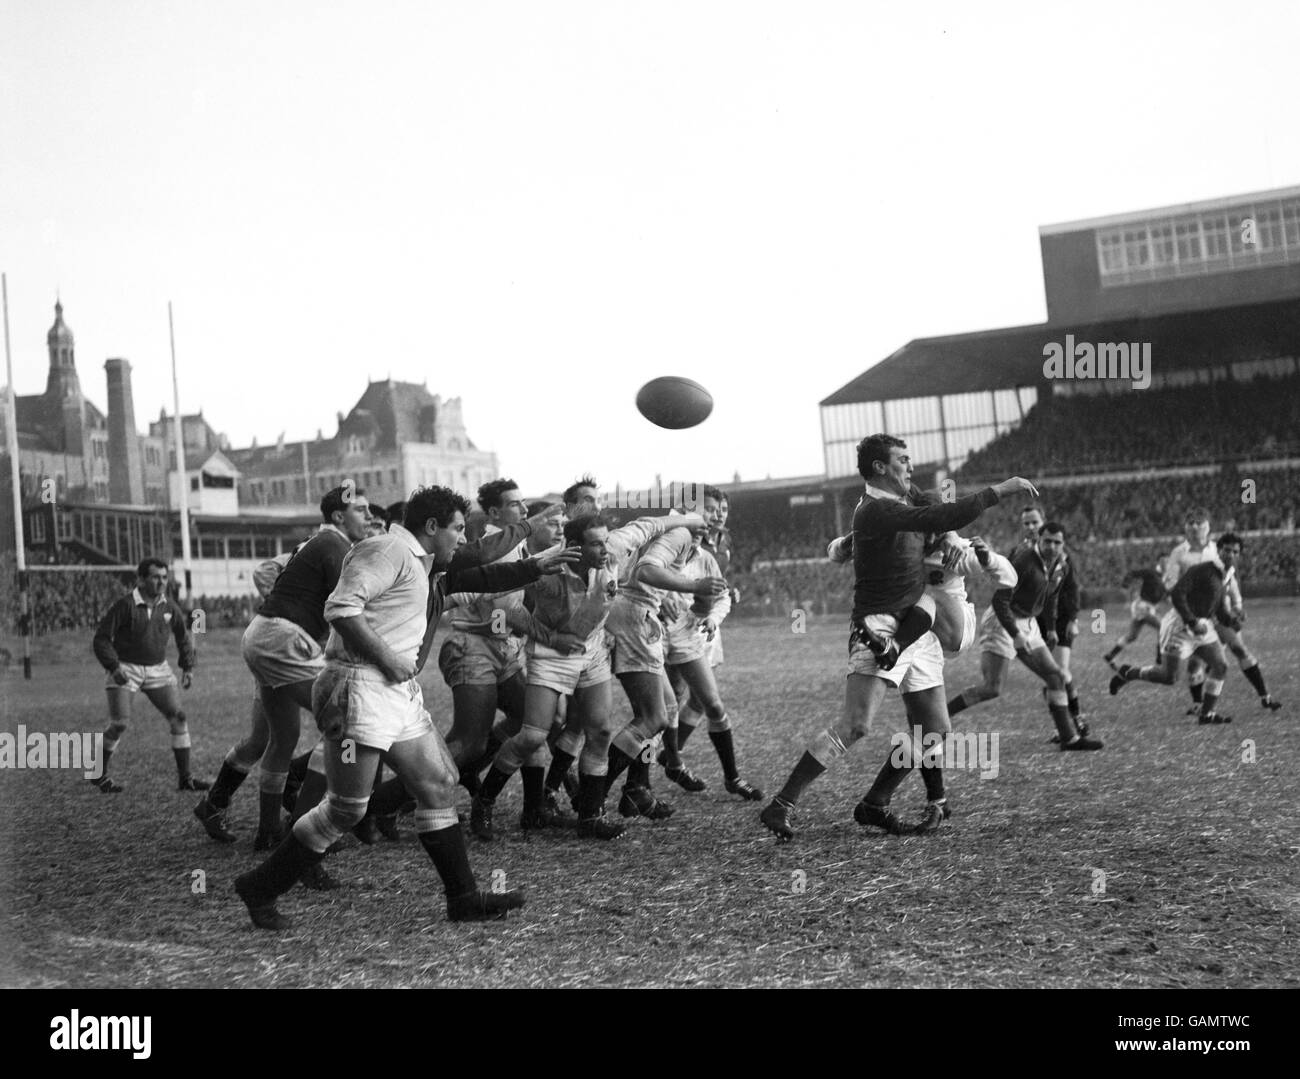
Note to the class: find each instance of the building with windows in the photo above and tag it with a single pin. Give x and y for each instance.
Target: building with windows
(1209, 291)
(397, 437)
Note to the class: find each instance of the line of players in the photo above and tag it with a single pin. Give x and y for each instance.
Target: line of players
(612, 603)
(1199, 578)
(534, 624)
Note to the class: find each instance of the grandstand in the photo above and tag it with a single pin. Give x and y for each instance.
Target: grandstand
(1212, 289)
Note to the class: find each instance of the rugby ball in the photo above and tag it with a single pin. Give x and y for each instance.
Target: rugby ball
(674, 402)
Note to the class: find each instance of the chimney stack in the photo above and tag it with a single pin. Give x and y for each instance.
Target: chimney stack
(125, 474)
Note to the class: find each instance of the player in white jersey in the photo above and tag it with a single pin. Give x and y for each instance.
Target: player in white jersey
(689, 629)
(576, 602)
(1196, 548)
(638, 657)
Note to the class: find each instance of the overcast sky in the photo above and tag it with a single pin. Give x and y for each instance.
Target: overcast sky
(538, 206)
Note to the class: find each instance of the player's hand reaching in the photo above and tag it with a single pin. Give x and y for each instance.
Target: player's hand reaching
(567, 643)
(981, 548)
(187, 679)
(708, 628)
(1015, 485)
(708, 587)
(554, 510)
(1196, 625)
(553, 561)
(1051, 638)
(1019, 643)
(119, 676)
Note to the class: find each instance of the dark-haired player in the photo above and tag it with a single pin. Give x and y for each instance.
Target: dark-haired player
(888, 552)
(131, 645)
(383, 616)
(1230, 634)
(1146, 591)
(1010, 630)
(284, 648)
(1065, 629)
(486, 672)
(689, 629)
(1199, 598)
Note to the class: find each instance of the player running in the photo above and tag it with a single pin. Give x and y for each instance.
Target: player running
(1146, 591)
(1010, 630)
(1198, 597)
(131, 645)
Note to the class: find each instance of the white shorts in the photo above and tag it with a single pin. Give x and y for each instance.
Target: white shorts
(359, 703)
(564, 674)
(919, 667)
(684, 643)
(1177, 640)
(280, 652)
(1140, 609)
(954, 622)
(714, 649)
(996, 640)
(467, 659)
(144, 676)
(638, 639)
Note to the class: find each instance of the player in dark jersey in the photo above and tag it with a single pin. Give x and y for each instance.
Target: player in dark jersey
(1146, 591)
(1010, 630)
(131, 645)
(284, 648)
(1066, 629)
(888, 552)
(1199, 597)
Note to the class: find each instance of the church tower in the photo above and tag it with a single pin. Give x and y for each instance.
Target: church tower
(62, 387)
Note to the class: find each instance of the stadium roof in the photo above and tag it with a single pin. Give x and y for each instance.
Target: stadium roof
(1006, 358)
(1133, 217)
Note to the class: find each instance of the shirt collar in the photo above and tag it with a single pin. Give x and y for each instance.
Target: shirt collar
(138, 599)
(876, 492)
(491, 530)
(408, 540)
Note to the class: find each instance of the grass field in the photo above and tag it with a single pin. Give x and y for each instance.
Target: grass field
(1199, 849)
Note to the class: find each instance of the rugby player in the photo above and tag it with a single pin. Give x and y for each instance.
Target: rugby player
(244, 754)
(131, 645)
(284, 648)
(1199, 598)
(577, 602)
(690, 629)
(717, 541)
(1146, 591)
(888, 553)
(1065, 629)
(383, 617)
(1010, 630)
(486, 672)
(638, 658)
(1195, 548)
(1230, 634)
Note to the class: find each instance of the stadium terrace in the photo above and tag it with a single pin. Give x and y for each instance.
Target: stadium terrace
(1107, 360)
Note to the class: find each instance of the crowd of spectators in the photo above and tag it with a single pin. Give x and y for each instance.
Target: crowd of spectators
(1218, 421)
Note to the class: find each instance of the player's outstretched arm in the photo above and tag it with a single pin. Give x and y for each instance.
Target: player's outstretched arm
(840, 549)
